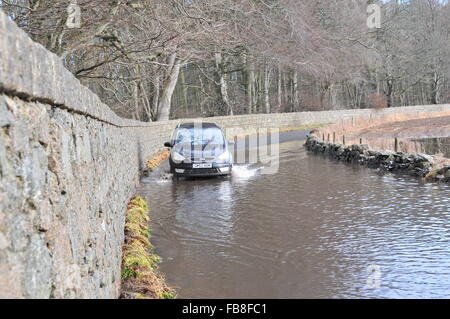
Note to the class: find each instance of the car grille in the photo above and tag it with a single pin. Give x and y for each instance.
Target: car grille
(202, 160)
(201, 171)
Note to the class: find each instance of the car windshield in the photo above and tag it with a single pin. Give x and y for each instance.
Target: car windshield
(202, 136)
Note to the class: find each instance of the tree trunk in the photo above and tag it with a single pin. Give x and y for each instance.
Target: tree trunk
(250, 91)
(267, 87)
(202, 111)
(255, 95)
(223, 84)
(136, 85)
(295, 90)
(166, 98)
(260, 104)
(156, 85)
(435, 89)
(146, 103)
(333, 97)
(389, 93)
(279, 88)
(185, 93)
(285, 90)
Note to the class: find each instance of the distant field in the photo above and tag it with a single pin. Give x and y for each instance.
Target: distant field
(418, 128)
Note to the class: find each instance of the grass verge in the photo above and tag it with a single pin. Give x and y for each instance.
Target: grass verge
(156, 160)
(305, 127)
(140, 276)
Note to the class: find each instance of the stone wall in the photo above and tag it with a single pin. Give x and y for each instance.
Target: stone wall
(65, 181)
(419, 165)
(68, 166)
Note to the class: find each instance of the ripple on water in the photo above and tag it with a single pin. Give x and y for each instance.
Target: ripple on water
(311, 230)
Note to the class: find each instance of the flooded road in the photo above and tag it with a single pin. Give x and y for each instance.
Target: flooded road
(316, 229)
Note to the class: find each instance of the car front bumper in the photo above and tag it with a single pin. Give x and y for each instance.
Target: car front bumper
(185, 169)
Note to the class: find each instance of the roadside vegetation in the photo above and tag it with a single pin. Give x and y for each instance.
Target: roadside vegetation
(302, 127)
(154, 162)
(140, 276)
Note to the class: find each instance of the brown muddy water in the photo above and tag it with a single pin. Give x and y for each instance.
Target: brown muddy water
(315, 229)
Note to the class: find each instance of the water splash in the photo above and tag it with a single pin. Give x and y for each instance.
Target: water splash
(244, 171)
(160, 177)
(165, 179)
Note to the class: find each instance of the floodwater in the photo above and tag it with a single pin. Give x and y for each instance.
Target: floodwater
(315, 229)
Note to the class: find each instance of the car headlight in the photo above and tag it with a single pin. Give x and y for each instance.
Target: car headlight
(224, 157)
(177, 157)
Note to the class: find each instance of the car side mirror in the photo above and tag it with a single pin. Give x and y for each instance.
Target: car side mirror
(168, 144)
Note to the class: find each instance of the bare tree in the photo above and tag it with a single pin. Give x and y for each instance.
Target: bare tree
(247, 56)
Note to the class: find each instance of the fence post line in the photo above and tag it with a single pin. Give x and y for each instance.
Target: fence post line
(396, 144)
(334, 137)
(343, 139)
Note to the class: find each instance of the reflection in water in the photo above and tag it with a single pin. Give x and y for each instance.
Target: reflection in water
(309, 231)
(214, 221)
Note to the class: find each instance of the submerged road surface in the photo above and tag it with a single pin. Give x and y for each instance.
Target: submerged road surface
(315, 229)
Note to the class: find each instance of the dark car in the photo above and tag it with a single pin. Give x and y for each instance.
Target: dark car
(199, 149)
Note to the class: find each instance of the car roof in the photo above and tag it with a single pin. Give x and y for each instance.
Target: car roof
(202, 124)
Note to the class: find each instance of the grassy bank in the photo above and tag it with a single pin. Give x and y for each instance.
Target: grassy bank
(140, 275)
(305, 127)
(156, 160)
